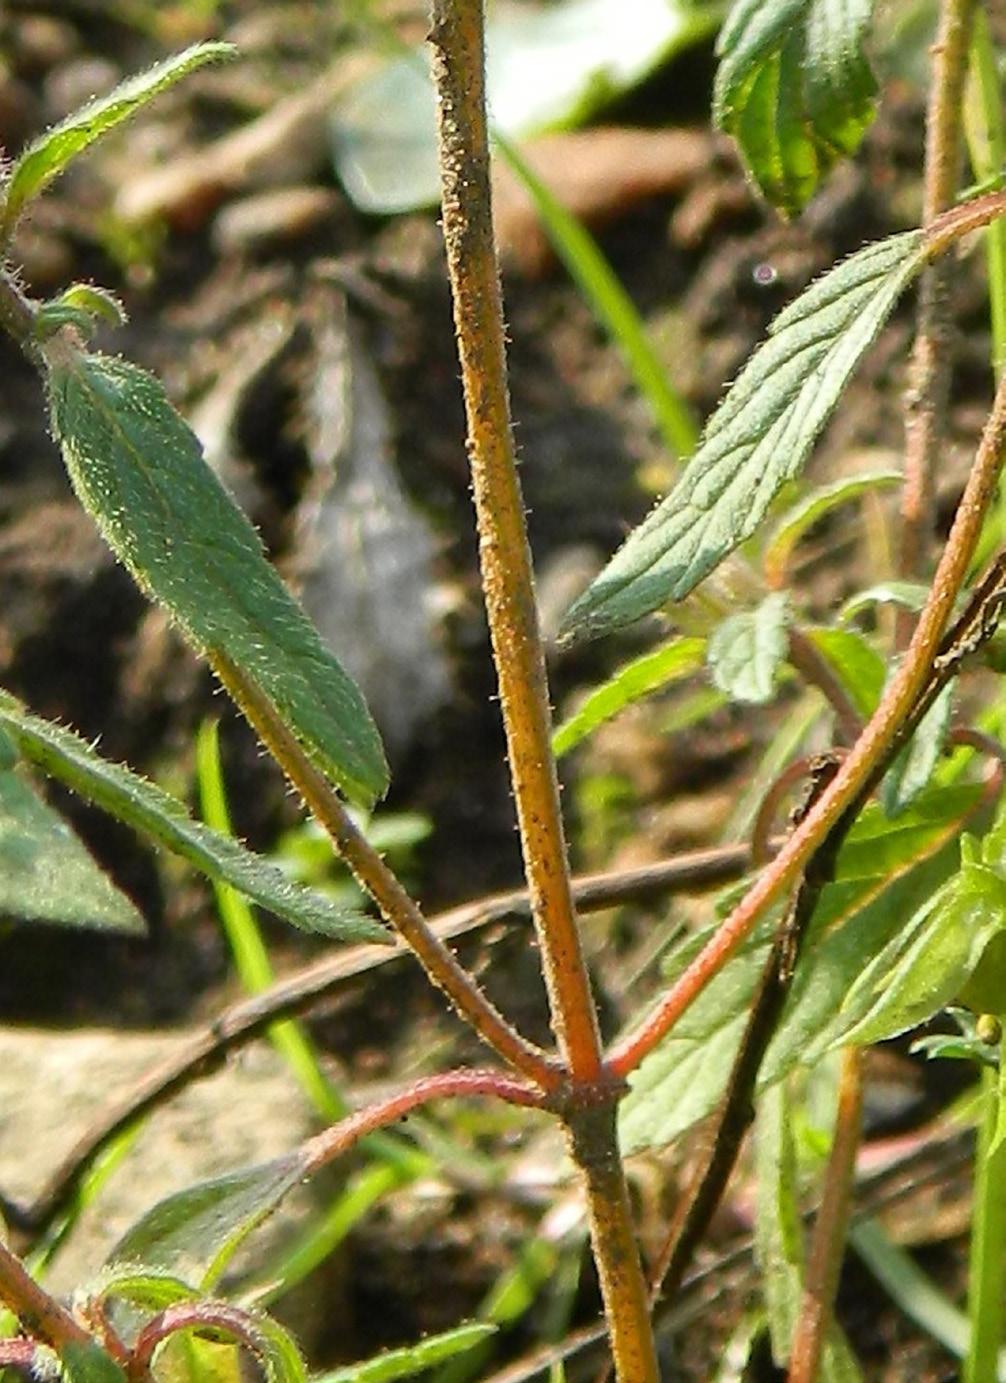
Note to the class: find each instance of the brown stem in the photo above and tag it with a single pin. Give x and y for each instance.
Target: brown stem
(216, 1316)
(456, 36)
(929, 376)
(40, 1315)
(828, 1243)
(816, 672)
(895, 708)
(17, 315)
(299, 992)
(792, 775)
(396, 906)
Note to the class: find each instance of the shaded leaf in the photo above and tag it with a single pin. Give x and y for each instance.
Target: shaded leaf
(404, 1363)
(46, 874)
(811, 509)
(778, 1238)
(147, 808)
(646, 674)
(194, 1233)
(757, 439)
(49, 155)
(88, 1363)
(914, 766)
(859, 667)
(139, 471)
(747, 650)
(910, 595)
(795, 90)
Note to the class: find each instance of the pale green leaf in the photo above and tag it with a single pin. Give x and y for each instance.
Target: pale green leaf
(914, 766)
(194, 1233)
(139, 471)
(747, 650)
(860, 668)
(648, 673)
(910, 595)
(46, 874)
(153, 1291)
(50, 154)
(795, 90)
(405, 1363)
(758, 438)
(811, 509)
(147, 808)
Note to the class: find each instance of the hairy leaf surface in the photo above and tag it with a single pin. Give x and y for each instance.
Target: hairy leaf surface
(747, 650)
(139, 471)
(147, 808)
(795, 90)
(758, 438)
(49, 155)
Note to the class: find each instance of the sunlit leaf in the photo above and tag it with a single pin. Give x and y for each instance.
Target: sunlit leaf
(646, 674)
(747, 650)
(914, 766)
(404, 1363)
(778, 1232)
(50, 154)
(46, 874)
(758, 438)
(194, 1233)
(910, 595)
(139, 471)
(154, 1291)
(860, 668)
(795, 90)
(811, 509)
(147, 808)
(88, 1363)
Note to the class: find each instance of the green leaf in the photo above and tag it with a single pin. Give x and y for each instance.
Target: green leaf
(794, 89)
(885, 869)
(747, 650)
(758, 438)
(676, 660)
(81, 305)
(150, 1290)
(282, 1359)
(858, 666)
(910, 595)
(47, 875)
(50, 154)
(778, 1236)
(404, 1363)
(139, 471)
(194, 1233)
(147, 808)
(914, 766)
(811, 509)
(88, 1363)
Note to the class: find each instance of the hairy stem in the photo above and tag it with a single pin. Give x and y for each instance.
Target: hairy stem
(895, 708)
(929, 378)
(40, 1314)
(399, 910)
(456, 37)
(828, 1243)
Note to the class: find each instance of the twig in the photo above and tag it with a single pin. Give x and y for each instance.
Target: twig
(895, 708)
(400, 911)
(929, 387)
(828, 1242)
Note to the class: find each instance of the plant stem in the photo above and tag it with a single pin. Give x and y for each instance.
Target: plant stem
(816, 671)
(929, 386)
(985, 127)
(456, 36)
(39, 1313)
(828, 1244)
(400, 911)
(857, 768)
(458, 42)
(988, 1236)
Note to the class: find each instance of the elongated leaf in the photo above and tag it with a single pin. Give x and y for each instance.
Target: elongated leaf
(677, 659)
(46, 874)
(910, 595)
(860, 668)
(747, 650)
(778, 1231)
(50, 154)
(758, 438)
(140, 804)
(194, 1233)
(811, 509)
(404, 1363)
(795, 90)
(139, 471)
(914, 766)
(885, 869)
(154, 1291)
